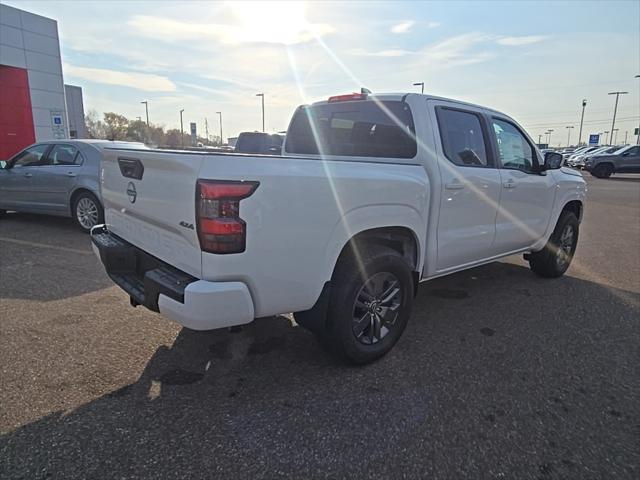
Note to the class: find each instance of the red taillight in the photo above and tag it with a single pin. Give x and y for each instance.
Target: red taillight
(347, 97)
(220, 228)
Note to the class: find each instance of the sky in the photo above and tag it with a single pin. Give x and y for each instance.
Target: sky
(535, 61)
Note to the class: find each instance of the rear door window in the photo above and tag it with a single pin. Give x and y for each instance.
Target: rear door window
(63, 155)
(364, 128)
(463, 137)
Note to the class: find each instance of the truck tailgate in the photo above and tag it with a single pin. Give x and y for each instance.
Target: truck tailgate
(149, 201)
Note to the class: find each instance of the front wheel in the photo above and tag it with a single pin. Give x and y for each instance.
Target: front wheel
(554, 259)
(87, 211)
(603, 170)
(370, 303)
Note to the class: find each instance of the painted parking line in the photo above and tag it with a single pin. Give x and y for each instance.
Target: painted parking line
(44, 245)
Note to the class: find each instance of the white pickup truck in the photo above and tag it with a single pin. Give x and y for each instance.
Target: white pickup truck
(372, 195)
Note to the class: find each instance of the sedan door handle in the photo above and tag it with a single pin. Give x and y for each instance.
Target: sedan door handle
(454, 186)
(71, 174)
(28, 175)
(509, 184)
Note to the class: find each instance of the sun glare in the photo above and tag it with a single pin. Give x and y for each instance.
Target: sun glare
(275, 22)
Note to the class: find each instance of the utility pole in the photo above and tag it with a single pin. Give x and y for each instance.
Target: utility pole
(206, 129)
(615, 109)
(220, 114)
(626, 132)
(181, 129)
(569, 136)
(584, 104)
(262, 95)
(146, 107)
(421, 86)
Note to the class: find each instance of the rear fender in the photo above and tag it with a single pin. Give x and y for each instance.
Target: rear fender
(374, 217)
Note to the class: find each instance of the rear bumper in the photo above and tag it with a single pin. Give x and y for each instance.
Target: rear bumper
(193, 303)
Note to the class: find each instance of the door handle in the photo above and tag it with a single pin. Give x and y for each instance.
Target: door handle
(28, 175)
(71, 174)
(454, 186)
(509, 184)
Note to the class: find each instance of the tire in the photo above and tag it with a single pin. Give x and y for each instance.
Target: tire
(87, 211)
(554, 259)
(603, 170)
(369, 304)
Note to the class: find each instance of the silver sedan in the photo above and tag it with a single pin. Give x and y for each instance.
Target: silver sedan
(58, 177)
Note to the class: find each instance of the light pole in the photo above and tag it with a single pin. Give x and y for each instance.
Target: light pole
(220, 115)
(181, 129)
(549, 132)
(421, 86)
(626, 132)
(584, 104)
(262, 95)
(539, 139)
(638, 136)
(614, 139)
(139, 118)
(146, 108)
(615, 109)
(569, 136)
(606, 138)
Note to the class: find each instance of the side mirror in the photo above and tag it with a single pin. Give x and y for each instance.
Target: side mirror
(552, 161)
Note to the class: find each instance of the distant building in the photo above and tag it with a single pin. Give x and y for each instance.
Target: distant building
(75, 111)
(32, 94)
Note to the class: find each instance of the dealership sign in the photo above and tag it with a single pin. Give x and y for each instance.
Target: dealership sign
(594, 139)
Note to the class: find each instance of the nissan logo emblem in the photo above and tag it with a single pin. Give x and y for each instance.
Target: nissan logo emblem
(131, 192)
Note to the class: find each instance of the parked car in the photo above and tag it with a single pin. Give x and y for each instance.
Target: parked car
(57, 177)
(573, 158)
(259, 143)
(624, 160)
(373, 194)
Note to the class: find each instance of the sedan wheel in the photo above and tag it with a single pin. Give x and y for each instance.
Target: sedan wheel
(88, 211)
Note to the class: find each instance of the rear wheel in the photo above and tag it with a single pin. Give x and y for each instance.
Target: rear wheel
(370, 303)
(554, 259)
(604, 170)
(87, 211)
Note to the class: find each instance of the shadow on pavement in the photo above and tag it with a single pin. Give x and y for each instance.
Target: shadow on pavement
(499, 373)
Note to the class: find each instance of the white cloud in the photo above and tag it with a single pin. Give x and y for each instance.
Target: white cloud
(253, 22)
(140, 81)
(459, 50)
(391, 52)
(433, 24)
(523, 40)
(403, 27)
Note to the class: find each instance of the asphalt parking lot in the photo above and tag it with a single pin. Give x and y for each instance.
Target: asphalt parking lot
(500, 374)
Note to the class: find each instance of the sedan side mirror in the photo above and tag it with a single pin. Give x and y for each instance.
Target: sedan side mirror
(552, 161)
